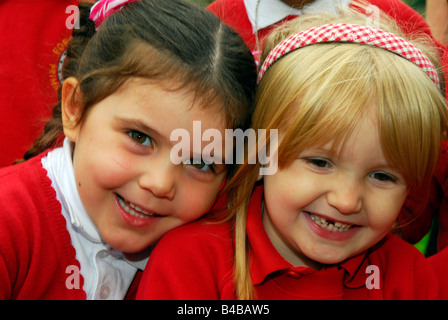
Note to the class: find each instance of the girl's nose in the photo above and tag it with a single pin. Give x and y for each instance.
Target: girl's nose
(159, 180)
(346, 196)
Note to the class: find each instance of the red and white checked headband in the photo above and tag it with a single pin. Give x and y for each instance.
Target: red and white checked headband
(351, 33)
(104, 8)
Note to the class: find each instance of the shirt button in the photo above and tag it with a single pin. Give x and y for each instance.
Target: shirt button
(104, 292)
(103, 254)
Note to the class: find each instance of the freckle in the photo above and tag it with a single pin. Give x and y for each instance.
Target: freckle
(79, 184)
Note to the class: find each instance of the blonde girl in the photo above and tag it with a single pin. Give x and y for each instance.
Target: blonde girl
(359, 126)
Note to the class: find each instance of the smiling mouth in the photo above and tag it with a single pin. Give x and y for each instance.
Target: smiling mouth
(330, 225)
(134, 210)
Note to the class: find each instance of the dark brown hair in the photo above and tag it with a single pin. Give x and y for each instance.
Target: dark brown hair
(158, 40)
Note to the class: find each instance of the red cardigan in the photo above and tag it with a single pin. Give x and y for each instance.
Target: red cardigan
(195, 261)
(35, 246)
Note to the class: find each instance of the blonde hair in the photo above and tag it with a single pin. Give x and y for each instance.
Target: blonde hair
(317, 94)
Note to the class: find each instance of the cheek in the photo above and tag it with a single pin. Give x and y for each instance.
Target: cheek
(103, 169)
(383, 212)
(114, 171)
(196, 200)
(284, 191)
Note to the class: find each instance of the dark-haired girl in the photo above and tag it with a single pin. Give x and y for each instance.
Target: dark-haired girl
(77, 220)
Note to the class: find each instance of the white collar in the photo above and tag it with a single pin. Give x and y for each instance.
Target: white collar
(65, 185)
(273, 11)
(59, 165)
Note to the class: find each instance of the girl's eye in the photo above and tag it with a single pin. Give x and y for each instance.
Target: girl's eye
(200, 165)
(140, 138)
(319, 162)
(383, 177)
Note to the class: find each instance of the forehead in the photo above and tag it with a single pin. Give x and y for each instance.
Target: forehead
(167, 102)
(364, 135)
(324, 125)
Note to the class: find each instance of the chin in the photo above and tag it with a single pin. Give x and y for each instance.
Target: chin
(127, 244)
(329, 257)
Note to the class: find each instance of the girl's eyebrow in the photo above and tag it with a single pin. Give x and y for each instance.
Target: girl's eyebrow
(324, 150)
(139, 125)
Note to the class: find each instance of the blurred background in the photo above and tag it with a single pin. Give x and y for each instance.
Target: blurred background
(418, 5)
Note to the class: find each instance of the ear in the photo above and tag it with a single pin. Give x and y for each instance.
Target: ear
(71, 108)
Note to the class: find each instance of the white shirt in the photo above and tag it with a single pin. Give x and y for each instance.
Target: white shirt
(273, 11)
(107, 275)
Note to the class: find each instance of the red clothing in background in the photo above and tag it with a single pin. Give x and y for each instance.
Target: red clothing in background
(32, 49)
(234, 14)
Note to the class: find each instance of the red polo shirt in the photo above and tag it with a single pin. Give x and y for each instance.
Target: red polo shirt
(195, 261)
(439, 262)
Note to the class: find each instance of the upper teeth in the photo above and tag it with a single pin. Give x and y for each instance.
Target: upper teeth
(330, 225)
(133, 209)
